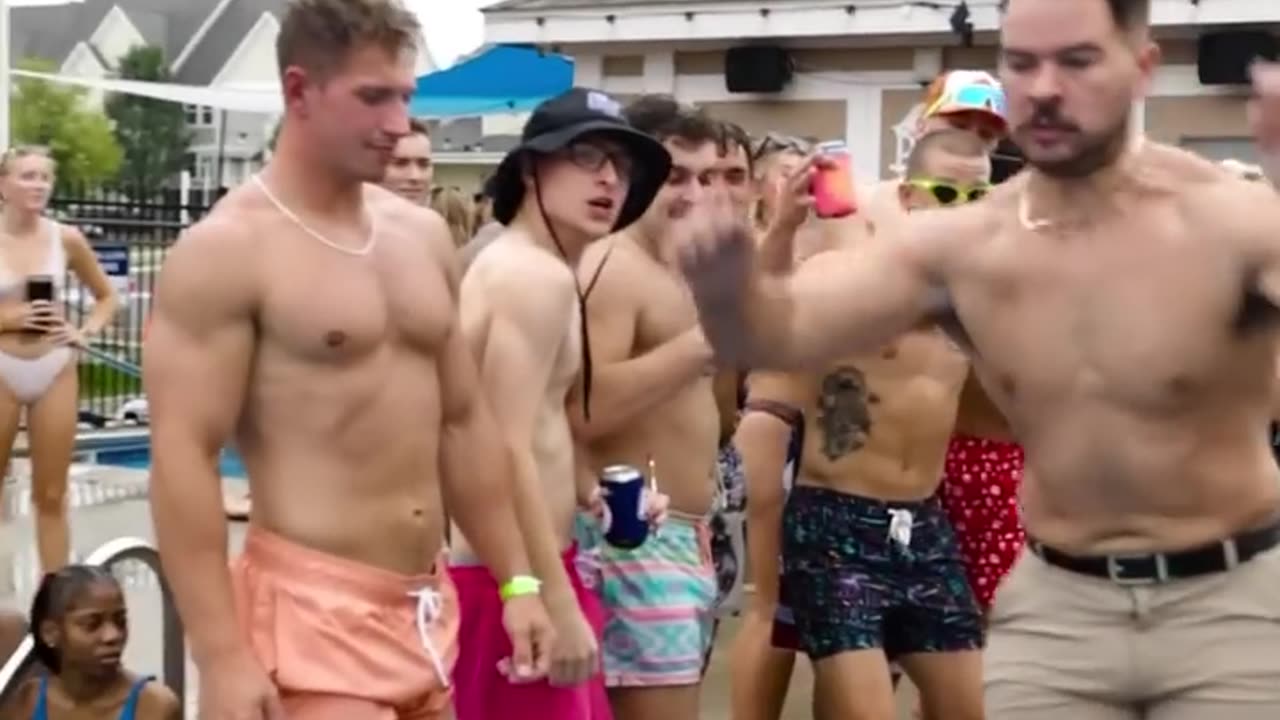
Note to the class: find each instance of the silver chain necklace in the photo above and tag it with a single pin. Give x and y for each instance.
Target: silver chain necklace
(284, 210)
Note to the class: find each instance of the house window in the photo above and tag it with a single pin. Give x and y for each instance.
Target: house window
(205, 169)
(198, 115)
(1226, 148)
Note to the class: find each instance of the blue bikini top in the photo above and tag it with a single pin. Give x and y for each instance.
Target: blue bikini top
(128, 712)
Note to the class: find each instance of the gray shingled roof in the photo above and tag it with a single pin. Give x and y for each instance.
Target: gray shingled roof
(535, 5)
(52, 32)
(466, 135)
(39, 31)
(224, 36)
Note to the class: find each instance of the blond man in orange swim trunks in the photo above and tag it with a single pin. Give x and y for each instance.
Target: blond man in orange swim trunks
(312, 317)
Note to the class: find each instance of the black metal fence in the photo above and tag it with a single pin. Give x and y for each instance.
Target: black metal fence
(131, 230)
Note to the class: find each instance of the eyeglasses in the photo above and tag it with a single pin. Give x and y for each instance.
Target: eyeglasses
(775, 143)
(950, 193)
(592, 158)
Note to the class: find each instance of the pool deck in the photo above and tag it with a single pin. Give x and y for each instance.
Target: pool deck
(108, 503)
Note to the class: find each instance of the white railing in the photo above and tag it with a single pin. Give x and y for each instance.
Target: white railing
(108, 555)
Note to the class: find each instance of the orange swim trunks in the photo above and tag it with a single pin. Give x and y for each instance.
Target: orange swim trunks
(980, 494)
(344, 640)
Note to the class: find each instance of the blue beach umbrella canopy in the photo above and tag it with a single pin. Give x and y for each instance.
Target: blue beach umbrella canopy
(501, 79)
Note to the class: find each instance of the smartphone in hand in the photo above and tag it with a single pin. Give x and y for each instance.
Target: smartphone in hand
(39, 287)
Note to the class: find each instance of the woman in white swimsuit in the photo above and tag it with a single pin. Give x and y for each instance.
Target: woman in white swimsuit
(37, 344)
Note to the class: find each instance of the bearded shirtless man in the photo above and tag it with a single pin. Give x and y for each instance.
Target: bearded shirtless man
(654, 408)
(580, 173)
(354, 411)
(870, 568)
(1119, 299)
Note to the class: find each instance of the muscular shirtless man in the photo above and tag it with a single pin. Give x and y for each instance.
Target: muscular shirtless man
(653, 403)
(870, 566)
(1120, 302)
(580, 172)
(354, 411)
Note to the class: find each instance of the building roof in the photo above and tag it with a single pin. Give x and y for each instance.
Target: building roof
(467, 135)
(535, 5)
(51, 32)
(38, 31)
(224, 36)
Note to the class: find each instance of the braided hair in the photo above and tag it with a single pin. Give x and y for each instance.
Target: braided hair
(57, 593)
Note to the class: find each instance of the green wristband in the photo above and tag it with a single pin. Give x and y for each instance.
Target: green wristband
(518, 586)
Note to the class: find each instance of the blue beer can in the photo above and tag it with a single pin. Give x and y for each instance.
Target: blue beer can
(625, 525)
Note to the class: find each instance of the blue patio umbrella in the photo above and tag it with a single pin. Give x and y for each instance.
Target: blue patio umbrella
(501, 79)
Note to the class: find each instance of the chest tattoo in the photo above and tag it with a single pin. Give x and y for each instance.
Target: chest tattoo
(843, 412)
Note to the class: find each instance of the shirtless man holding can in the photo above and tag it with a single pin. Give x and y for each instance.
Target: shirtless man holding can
(654, 408)
(870, 568)
(355, 411)
(1120, 300)
(579, 173)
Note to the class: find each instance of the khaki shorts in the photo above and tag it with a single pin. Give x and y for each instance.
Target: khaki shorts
(1065, 646)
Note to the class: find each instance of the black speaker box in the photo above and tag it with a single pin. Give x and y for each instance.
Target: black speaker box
(1223, 58)
(757, 69)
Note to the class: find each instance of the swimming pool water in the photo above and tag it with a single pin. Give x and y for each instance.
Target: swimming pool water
(229, 463)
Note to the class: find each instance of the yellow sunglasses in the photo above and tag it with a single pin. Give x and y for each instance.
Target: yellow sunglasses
(950, 193)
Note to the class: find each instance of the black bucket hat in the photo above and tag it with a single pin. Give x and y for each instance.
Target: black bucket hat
(556, 124)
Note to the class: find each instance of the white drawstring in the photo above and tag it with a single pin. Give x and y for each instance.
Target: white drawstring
(429, 609)
(900, 522)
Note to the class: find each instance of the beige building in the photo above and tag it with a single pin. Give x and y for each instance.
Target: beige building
(860, 65)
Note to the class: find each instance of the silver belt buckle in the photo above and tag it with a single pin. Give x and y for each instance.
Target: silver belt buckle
(1116, 569)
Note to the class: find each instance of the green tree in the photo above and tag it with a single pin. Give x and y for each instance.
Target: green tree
(55, 115)
(153, 133)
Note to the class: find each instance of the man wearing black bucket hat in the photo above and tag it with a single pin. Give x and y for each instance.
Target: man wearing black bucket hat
(580, 172)
(656, 408)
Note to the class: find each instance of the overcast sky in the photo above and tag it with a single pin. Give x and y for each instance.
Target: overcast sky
(453, 27)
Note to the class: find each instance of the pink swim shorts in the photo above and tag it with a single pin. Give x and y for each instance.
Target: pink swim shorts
(481, 692)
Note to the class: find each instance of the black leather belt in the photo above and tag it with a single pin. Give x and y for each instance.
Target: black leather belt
(1152, 568)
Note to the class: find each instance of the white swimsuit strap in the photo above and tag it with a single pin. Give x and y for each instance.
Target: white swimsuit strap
(57, 261)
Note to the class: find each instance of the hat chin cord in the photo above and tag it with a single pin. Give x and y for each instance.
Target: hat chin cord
(582, 295)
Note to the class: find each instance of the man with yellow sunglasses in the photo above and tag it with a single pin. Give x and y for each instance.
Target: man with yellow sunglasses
(870, 568)
(943, 174)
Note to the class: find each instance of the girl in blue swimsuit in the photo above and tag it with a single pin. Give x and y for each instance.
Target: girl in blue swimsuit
(79, 625)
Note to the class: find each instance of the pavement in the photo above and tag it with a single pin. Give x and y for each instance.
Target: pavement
(108, 503)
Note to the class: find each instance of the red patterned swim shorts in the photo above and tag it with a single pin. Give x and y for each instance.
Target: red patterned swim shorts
(980, 494)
